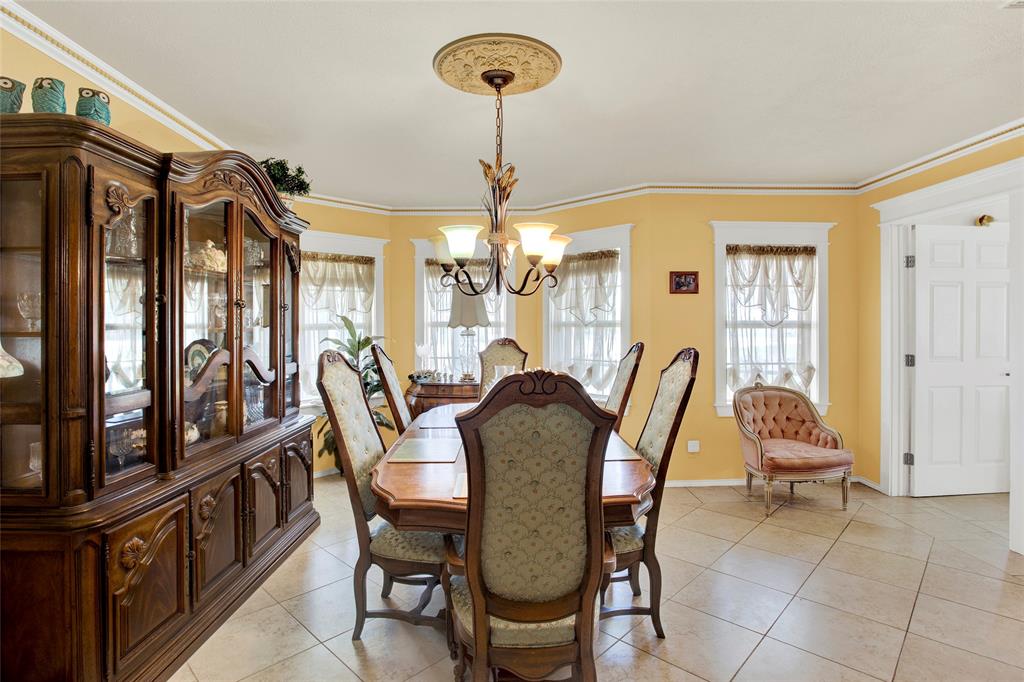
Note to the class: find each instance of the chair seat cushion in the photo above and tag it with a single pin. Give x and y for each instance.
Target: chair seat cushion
(506, 633)
(784, 455)
(627, 538)
(389, 542)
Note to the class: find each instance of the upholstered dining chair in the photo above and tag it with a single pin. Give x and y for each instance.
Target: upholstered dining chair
(409, 558)
(503, 351)
(636, 544)
(523, 599)
(392, 389)
(783, 438)
(622, 385)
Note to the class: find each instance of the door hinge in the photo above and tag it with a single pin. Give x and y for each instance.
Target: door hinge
(910, 261)
(93, 464)
(191, 555)
(910, 360)
(908, 458)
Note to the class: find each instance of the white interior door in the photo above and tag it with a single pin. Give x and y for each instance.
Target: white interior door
(961, 398)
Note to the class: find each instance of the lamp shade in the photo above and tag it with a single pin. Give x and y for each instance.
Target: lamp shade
(556, 248)
(468, 311)
(510, 248)
(461, 241)
(441, 252)
(534, 237)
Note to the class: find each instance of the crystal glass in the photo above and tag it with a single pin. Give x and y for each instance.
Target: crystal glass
(30, 305)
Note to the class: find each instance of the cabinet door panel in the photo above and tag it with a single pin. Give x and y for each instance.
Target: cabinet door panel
(264, 500)
(217, 532)
(147, 582)
(299, 472)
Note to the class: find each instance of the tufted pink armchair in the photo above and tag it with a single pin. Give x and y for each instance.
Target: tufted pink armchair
(783, 438)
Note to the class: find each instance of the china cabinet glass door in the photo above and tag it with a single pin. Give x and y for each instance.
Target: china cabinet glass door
(127, 305)
(258, 325)
(207, 323)
(22, 334)
(289, 316)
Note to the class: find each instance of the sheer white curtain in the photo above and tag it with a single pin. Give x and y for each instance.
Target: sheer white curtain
(441, 347)
(331, 285)
(771, 317)
(123, 340)
(585, 318)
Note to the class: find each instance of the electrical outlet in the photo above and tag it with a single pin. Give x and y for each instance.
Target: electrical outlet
(693, 446)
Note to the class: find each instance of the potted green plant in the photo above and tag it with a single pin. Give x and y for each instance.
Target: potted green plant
(288, 183)
(356, 349)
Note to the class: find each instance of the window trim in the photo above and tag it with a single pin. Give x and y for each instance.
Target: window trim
(424, 250)
(596, 239)
(774, 233)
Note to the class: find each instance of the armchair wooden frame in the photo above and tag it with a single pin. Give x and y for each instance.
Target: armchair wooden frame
(637, 348)
(536, 389)
(395, 570)
(503, 341)
(630, 561)
(391, 393)
(793, 477)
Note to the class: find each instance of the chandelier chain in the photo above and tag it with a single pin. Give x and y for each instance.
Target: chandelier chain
(499, 124)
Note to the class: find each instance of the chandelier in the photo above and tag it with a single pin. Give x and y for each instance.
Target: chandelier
(498, 64)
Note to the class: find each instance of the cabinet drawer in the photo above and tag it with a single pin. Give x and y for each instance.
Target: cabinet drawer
(147, 583)
(217, 532)
(264, 501)
(298, 473)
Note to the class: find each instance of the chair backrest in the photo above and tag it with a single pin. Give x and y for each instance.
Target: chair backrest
(503, 351)
(622, 386)
(535, 537)
(359, 443)
(659, 435)
(392, 388)
(779, 412)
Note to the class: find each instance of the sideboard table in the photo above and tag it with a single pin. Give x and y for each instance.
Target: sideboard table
(423, 397)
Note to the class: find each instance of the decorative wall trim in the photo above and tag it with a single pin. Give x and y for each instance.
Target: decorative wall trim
(37, 33)
(28, 27)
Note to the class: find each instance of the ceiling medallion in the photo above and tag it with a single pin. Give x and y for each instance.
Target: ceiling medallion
(461, 62)
(498, 64)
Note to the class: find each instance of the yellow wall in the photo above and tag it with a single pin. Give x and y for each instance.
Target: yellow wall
(671, 233)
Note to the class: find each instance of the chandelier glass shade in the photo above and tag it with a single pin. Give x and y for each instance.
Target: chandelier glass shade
(491, 61)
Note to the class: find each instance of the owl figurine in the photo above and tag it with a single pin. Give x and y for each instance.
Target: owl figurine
(93, 104)
(48, 96)
(10, 95)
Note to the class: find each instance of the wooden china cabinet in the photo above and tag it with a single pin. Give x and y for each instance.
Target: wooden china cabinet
(153, 463)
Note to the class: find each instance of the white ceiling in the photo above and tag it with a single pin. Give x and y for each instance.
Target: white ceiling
(789, 92)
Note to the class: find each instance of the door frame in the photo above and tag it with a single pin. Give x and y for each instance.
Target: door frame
(896, 217)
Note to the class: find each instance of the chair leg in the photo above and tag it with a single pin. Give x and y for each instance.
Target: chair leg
(359, 583)
(846, 490)
(389, 582)
(460, 663)
(768, 485)
(634, 579)
(481, 672)
(654, 573)
(750, 482)
(792, 489)
(606, 581)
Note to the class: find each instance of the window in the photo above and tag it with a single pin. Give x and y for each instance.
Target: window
(341, 275)
(438, 346)
(771, 308)
(586, 318)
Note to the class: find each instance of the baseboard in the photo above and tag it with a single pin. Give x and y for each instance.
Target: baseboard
(705, 483)
(333, 471)
(869, 483)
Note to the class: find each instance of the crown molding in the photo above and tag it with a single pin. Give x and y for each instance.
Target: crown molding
(37, 33)
(31, 29)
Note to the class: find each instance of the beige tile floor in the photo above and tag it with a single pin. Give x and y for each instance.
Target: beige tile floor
(892, 588)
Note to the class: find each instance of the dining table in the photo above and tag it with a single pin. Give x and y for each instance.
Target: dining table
(421, 495)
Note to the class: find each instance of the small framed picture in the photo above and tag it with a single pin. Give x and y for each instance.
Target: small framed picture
(683, 282)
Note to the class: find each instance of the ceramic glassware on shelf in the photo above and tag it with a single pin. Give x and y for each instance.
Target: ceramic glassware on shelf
(10, 95)
(93, 104)
(48, 96)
